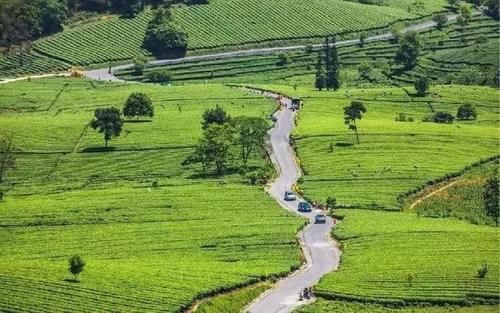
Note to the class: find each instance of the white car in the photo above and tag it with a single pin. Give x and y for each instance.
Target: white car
(289, 196)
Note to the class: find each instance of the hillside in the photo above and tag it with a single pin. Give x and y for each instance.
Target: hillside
(222, 24)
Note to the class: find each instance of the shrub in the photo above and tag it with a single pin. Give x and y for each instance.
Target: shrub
(159, 76)
(283, 59)
(442, 117)
(483, 270)
(331, 202)
(466, 112)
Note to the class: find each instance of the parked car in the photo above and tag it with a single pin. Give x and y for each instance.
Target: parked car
(320, 218)
(305, 207)
(290, 196)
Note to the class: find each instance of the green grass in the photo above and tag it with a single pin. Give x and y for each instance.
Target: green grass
(382, 248)
(323, 306)
(222, 25)
(155, 235)
(393, 157)
(233, 302)
(462, 200)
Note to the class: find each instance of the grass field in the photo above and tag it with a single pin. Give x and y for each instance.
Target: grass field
(154, 234)
(223, 24)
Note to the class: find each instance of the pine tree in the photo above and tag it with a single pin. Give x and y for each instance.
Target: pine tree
(320, 82)
(333, 66)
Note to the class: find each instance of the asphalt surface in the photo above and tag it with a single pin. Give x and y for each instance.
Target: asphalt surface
(321, 253)
(103, 74)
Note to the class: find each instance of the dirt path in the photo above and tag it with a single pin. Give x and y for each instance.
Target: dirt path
(320, 251)
(433, 193)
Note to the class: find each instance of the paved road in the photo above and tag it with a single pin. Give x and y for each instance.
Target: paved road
(321, 252)
(103, 74)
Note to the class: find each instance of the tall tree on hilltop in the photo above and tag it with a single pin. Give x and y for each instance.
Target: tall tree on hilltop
(333, 65)
(320, 82)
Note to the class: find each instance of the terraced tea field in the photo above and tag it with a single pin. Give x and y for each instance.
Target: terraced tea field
(323, 306)
(223, 24)
(446, 55)
(154, 234)
(394, 257)
(393, 157)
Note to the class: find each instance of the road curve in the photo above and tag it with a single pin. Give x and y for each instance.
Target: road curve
(320, 251)
(104, 74)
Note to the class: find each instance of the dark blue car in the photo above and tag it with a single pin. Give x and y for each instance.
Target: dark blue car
(305, 207)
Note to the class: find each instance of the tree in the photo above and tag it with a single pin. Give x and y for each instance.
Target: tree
(362, 39)
(139, 65)
(466, 111)
(251, 132)
(331, 202)
(163, 38)
(440, 19)
(216, 115)
(214, 148)
(107, 121)
(443, 117)
(365, 70)
(320, 81)
(490, 196)
(352, 113)
(76, 265)
(465, 13)
(332, 65)
(283, 59)
(159, 76)
(7, 156)
(409, 49)
(138, 105)
(422, 85)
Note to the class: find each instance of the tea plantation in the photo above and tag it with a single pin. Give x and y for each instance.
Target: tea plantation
(222, 24)
(155, 235)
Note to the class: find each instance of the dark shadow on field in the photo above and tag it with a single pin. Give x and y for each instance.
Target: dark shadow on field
(98, 149)
(228, 171)
(138, 121)
(71, 280)
(344, 144)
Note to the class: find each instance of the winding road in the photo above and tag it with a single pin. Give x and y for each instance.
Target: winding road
(104, 74)
(320, 251)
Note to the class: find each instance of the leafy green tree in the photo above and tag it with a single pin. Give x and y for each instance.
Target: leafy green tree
(466, 111)
(76, 265)
(320, 81)
(332, 65)
(163, 38)
(422, 85)
(352, 113)
(365, 70)
(440, 19)
(216, 115)
(490, 196)
(214, 148)
(251, 132)
(331, 202)
(7, 156)
(107, 121)
(443, 117)
(139, 66)
(159, 76)
(283, 59)
(138, 105)
(465, 13)
(408, 51)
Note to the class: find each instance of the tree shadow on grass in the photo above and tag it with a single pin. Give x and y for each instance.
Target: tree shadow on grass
(98, 149)
(137, 121)
(212, 174)
(71, 280)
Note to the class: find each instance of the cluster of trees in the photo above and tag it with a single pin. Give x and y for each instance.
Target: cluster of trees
(327, 74)
(223, 136)
(164, 38)
(492, 6)
(109, 121)
(466, 112)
